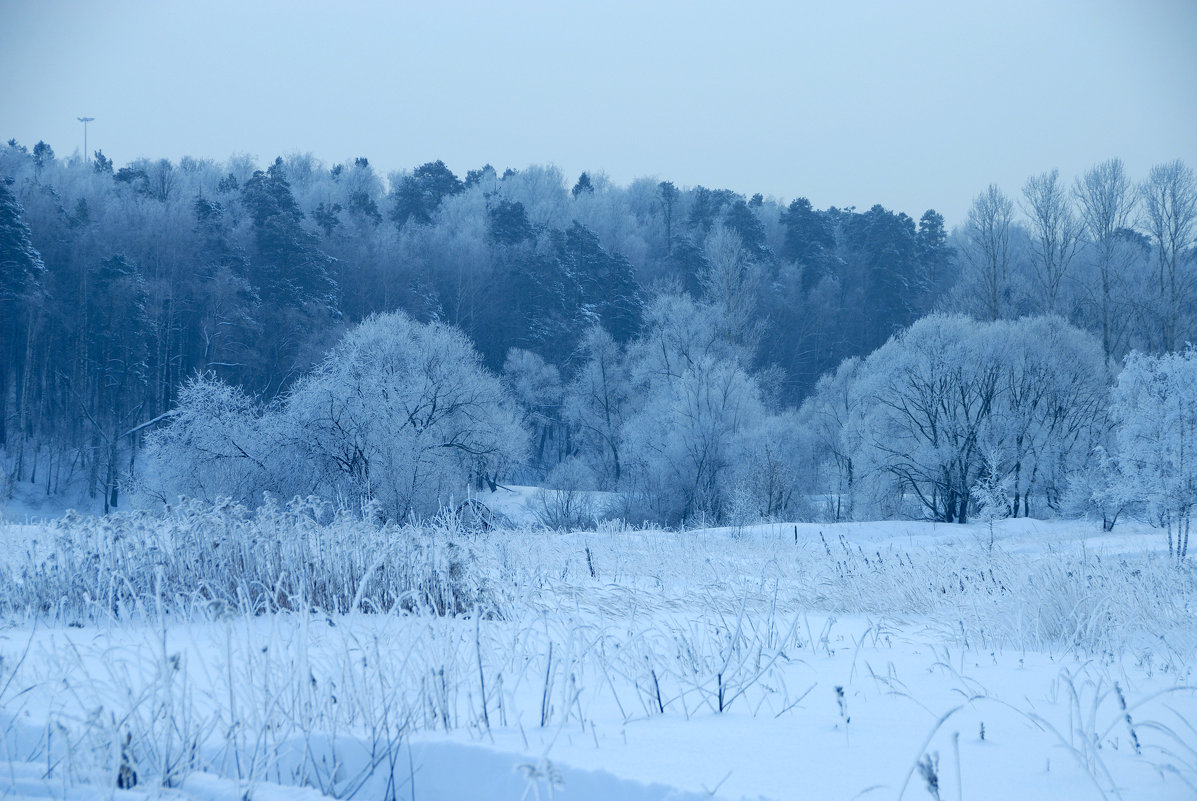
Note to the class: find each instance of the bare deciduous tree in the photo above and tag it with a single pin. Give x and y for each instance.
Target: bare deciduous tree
(1055, 234)
(1106, 200)
(987, 232)
(1170, 215)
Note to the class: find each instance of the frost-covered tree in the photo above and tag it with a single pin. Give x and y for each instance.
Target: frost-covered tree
(1099, 487)
(599, 285)
(809, 237)
(583, 185)
(596, 406)
(1050, 410)
(936, 257)
(1154, 406)
(766, 480)
(697, 418)
(949, 396)
(833, 444)
(668, 199)
(415, 197)
(403, 414)
(43, 156)
(543, 193)
(536, 387)
(116, 352)
(293, 276)
(679, 332)
(730, 283)
(217, 443)
(926, 401)
(992, 492)
(687, 436)
(398, 413)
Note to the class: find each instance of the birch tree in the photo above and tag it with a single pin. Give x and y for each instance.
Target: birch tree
(1154, 405)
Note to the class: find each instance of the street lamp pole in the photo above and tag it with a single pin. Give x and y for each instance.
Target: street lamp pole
(85, 121)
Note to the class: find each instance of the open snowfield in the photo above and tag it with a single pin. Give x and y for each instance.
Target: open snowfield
(866, 660)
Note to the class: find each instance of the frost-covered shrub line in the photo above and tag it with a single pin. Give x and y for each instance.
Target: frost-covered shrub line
(1063, 599)
(213, 560)
(204, 562)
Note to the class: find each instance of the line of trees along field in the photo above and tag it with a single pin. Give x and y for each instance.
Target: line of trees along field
(702, 351)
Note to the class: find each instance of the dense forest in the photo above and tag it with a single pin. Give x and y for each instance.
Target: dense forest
(709, 354)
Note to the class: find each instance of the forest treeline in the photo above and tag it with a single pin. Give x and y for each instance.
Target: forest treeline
(603, 309)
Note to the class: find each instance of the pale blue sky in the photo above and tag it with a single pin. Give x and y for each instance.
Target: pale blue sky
(908, 104)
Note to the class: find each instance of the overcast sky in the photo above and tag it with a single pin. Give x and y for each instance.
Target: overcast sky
(913, 105)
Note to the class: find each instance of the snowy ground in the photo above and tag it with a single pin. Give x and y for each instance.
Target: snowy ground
(883, 660)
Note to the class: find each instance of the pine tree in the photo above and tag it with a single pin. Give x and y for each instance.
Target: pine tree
(419, 195)
(583, 186)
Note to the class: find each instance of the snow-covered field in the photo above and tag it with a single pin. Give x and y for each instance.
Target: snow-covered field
(866, 660)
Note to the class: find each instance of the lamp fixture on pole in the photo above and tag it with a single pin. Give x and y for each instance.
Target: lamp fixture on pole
(85, 121)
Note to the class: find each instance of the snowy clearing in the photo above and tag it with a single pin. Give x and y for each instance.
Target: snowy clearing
(865, 660)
